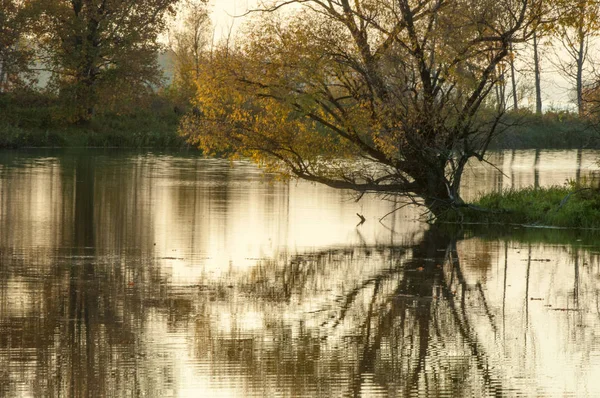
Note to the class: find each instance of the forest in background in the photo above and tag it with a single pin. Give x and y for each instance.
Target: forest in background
(99, 73)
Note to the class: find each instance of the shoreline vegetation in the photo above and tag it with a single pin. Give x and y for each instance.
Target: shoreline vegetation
(573, 206)
(29, 120)
(551, 130)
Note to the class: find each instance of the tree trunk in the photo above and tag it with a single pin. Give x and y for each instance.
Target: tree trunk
(85, 97)
(536, 69)
(579, 76)
(1, 76)
(87, 44)
(513, 79)
(439, 196)
(501, 89)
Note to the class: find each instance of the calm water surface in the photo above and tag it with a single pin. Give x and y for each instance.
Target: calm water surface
(161, 275)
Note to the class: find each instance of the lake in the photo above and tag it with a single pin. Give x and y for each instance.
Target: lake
(128, 274)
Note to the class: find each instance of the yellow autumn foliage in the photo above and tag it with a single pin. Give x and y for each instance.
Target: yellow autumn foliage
(372, 95)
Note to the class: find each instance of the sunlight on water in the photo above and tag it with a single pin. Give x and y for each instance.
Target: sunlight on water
(126, 274)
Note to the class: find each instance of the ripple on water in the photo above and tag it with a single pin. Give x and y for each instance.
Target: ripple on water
(127, 274)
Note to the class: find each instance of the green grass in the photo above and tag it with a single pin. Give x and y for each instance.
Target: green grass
(566, 207)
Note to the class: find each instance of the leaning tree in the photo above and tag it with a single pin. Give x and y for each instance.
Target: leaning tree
(383, 96)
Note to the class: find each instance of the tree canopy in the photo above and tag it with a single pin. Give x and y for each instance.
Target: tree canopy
(189, 43)
(577, 22)
(15, 52)
(97, 46)
(384, 96)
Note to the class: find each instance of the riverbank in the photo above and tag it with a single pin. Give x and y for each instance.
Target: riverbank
(31, 119)
(158, 129)
(125, 132)
(561, 207)
(37, 121)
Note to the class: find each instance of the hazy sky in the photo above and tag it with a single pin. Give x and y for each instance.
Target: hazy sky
(223, 12)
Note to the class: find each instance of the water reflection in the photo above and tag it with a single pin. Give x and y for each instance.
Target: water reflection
(522, 168)
(160, 275)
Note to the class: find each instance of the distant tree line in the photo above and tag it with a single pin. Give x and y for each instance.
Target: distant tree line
(98, 54)
(92, 47)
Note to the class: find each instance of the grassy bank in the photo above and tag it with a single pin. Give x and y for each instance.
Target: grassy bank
(34, 120)
(566, 207)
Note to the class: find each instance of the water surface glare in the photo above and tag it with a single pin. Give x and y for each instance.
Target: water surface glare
(129, 274)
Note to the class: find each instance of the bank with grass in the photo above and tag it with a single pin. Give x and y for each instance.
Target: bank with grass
(556, 206)
(37, 120)
(30, 118)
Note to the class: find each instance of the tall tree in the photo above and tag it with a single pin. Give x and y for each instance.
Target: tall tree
(537, 74)
(578, 22)
(189, 43)
(549, 12)
(384, 96)
(102, 45)
(15, 52)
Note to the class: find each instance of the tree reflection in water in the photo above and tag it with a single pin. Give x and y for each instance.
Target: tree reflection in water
(405, 329)
(70, 325)
(91, 305)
